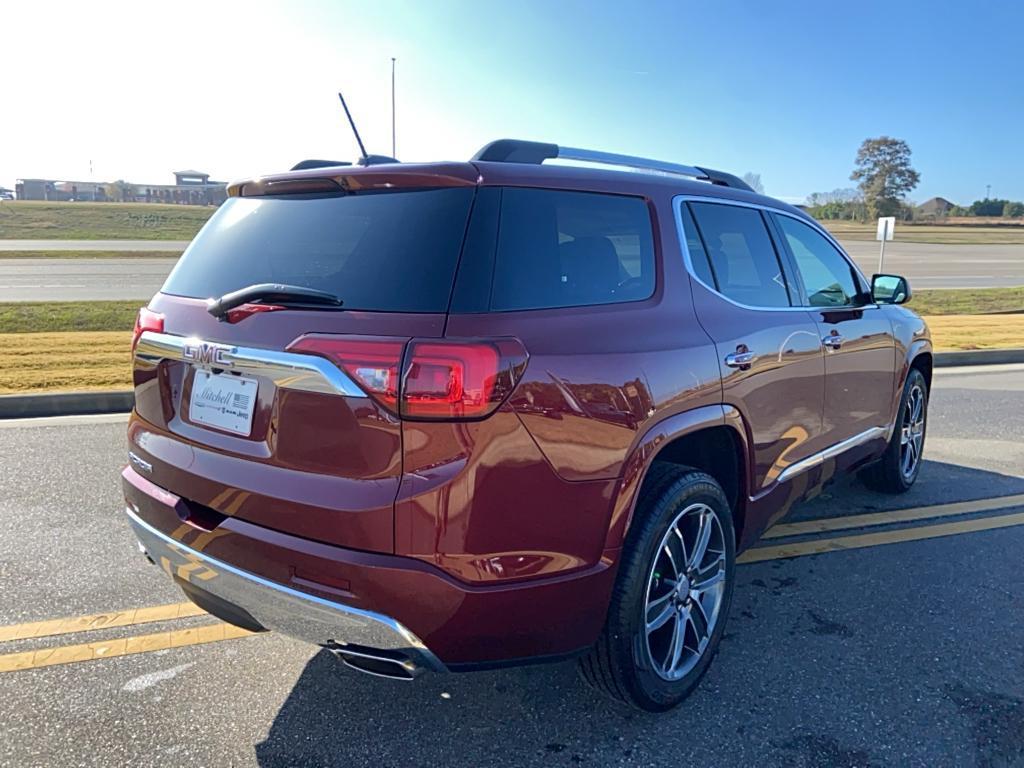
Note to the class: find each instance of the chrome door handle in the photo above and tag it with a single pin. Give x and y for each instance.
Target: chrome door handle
(741, 360)
(833, 341)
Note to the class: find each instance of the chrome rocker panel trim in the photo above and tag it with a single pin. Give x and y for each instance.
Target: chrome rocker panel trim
(831, 452)
(287, 370)
(283, 609)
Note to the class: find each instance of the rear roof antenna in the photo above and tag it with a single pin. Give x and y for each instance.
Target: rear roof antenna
(365, 159)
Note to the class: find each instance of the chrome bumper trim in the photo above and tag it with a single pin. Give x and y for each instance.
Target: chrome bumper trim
(286, 369)
(283, 609)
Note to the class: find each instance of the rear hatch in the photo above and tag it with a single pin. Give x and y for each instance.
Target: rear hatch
(282, 413)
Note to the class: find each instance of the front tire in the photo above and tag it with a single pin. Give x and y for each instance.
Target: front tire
(899, 466)
(672, 592)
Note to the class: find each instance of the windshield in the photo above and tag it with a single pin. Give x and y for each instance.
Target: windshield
(382, 251)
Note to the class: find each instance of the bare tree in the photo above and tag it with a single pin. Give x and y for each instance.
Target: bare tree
(753, 181)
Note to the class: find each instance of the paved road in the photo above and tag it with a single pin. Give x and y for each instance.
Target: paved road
(895, 654)
(93, 245)
(49, 279)
(944, 266)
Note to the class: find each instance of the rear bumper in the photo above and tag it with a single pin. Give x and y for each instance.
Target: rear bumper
(334, 596)
(280, 608)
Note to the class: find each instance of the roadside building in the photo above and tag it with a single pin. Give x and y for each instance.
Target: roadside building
(189, 188)
(935, 208)
(35, 189)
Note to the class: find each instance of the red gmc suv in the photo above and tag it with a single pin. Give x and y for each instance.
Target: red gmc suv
(460, 415)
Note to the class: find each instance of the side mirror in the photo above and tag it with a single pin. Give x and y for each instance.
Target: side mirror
(890, 289)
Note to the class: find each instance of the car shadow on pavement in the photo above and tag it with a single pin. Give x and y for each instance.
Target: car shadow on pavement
(803, 676)
(938, 483)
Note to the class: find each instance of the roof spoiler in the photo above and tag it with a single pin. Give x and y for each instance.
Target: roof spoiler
(536, 152)
(304, 164)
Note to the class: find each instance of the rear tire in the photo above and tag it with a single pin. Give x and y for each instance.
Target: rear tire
(899, 466)
(672, 592)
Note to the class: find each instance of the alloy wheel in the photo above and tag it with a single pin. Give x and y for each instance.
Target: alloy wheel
(685, 589)
(912, 432)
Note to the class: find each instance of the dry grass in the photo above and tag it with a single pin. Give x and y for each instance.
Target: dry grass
(70, 361)
(951, 332)
(1010, 234)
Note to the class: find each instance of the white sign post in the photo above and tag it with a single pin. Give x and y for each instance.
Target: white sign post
(886, 229)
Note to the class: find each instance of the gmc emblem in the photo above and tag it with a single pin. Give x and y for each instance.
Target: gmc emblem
(201, 353)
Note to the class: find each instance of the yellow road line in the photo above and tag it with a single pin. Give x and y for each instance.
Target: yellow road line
(212, 633)
(859, 541)
(124, 646)
(892, 516)
(74, 624)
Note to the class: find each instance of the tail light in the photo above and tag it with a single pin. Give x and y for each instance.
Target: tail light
(459, 379)
(434, 379)
(372, 363)
(146, 320)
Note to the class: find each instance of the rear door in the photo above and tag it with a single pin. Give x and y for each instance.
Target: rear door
(768, 346)
(285, 415)
(859, 347)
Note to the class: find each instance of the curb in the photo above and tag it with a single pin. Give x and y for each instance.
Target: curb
(65, 404)
(77, 403)
(978, 357)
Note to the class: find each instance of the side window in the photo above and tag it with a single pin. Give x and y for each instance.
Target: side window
(742, 255)
(569, 249)
(698, 256)
(827, 275)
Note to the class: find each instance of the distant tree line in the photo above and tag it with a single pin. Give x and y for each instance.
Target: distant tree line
(848, 205)
(1010, 209)
(885, 178)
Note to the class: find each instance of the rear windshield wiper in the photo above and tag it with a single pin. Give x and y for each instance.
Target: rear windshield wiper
(275, 293)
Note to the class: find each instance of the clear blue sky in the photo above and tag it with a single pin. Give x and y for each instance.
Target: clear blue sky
(784, 89)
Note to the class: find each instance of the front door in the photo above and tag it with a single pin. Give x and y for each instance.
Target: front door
(860, 355)
(769, 348)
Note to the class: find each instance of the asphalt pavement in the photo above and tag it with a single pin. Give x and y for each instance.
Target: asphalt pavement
(83, 279)
(929, 265)
(896, 644)
(93, 245)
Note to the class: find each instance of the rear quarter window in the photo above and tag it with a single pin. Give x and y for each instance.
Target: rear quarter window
(563, 249)
(741, 254)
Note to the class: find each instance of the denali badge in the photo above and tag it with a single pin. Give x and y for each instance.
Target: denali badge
(139, 463)
(201, 353)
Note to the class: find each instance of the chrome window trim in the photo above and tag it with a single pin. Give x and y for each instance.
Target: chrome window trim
(677, 204)
(288, 370)
(831, 452)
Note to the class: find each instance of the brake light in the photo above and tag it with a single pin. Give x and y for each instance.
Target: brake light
(372, 363)
(451, 380)
(440, 379)
(146, 320)
(238, 314)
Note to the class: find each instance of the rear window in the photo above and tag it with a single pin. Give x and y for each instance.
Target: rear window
(566, 249)
(383, 251)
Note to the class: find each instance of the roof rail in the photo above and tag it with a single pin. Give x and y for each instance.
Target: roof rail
(536, 152)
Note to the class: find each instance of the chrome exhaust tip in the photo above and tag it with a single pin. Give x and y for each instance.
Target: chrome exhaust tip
(379, 663)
